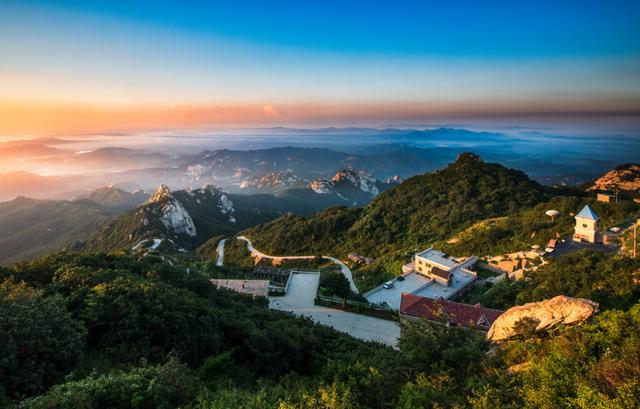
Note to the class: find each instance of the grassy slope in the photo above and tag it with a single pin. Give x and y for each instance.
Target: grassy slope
(531, 226)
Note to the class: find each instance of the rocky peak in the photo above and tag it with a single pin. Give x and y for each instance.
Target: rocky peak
(161, 195)
(226, 207)
(171, 212)
(361, 179)
(322, 186)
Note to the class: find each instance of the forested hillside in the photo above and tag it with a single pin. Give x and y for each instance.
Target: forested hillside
(107, 331)
(420, 211)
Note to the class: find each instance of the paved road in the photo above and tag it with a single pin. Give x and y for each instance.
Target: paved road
(220, 252)
(343, 267)
(300, 300)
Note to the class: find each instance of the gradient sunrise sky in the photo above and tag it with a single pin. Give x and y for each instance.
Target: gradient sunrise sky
(94, 65)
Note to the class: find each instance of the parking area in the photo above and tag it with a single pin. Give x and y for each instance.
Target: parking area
(300, 300)
(418, 284)
(393, 295)
(461, 279)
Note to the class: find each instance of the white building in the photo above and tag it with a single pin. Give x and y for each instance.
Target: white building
(435, 264)
(431, 274)
(586, 229)
(449, 276)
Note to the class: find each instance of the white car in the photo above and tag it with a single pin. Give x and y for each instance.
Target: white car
(388, 284)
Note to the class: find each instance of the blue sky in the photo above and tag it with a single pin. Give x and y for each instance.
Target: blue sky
(434, 28)
(302, 59)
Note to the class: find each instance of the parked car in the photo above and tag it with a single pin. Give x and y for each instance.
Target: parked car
(388, 284)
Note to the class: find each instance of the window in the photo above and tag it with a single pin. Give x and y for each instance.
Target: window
(584, 225)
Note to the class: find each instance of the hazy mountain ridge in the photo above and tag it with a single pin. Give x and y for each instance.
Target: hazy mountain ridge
(114, 198)
(271, 153)
(32, 227)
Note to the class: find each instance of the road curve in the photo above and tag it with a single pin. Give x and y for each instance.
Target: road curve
(220, 252)
(343, 267)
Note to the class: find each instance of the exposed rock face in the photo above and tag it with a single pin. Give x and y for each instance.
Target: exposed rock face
(322, 186)
(547, 314)
(361, 179)
(226, 207)
(625, 177)
(172, 214)
(396, 180)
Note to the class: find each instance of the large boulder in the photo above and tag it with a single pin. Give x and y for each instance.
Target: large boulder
(544, 314)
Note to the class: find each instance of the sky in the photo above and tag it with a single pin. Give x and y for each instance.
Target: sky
(102, 65)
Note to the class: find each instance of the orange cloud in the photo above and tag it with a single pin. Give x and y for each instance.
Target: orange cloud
(270, 111)
(17, 118)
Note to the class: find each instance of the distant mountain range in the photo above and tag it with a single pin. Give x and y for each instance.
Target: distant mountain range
(116, 199)
(21, 183)
(385, 153)
(110, 218)
(259, 171)
(186, 217)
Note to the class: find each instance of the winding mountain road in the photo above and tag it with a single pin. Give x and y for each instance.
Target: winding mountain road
(343, 267)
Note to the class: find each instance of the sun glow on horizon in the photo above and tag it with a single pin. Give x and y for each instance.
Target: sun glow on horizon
(79, 67)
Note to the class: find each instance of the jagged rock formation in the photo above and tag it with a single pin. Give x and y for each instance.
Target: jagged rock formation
(351, 185)
(359, 178)
(546, 314)
(226, 207)
(172, 214)
(625, 178)
(322, 186)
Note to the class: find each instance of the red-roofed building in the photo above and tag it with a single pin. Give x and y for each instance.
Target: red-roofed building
(416, 308)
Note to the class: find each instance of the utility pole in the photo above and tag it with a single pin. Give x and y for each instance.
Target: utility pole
(635, 231)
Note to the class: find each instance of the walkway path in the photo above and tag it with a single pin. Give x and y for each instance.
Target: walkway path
(300, 300)
(220, 252)
(343, 267)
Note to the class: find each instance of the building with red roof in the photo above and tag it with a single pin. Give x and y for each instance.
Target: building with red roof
(416, 308)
